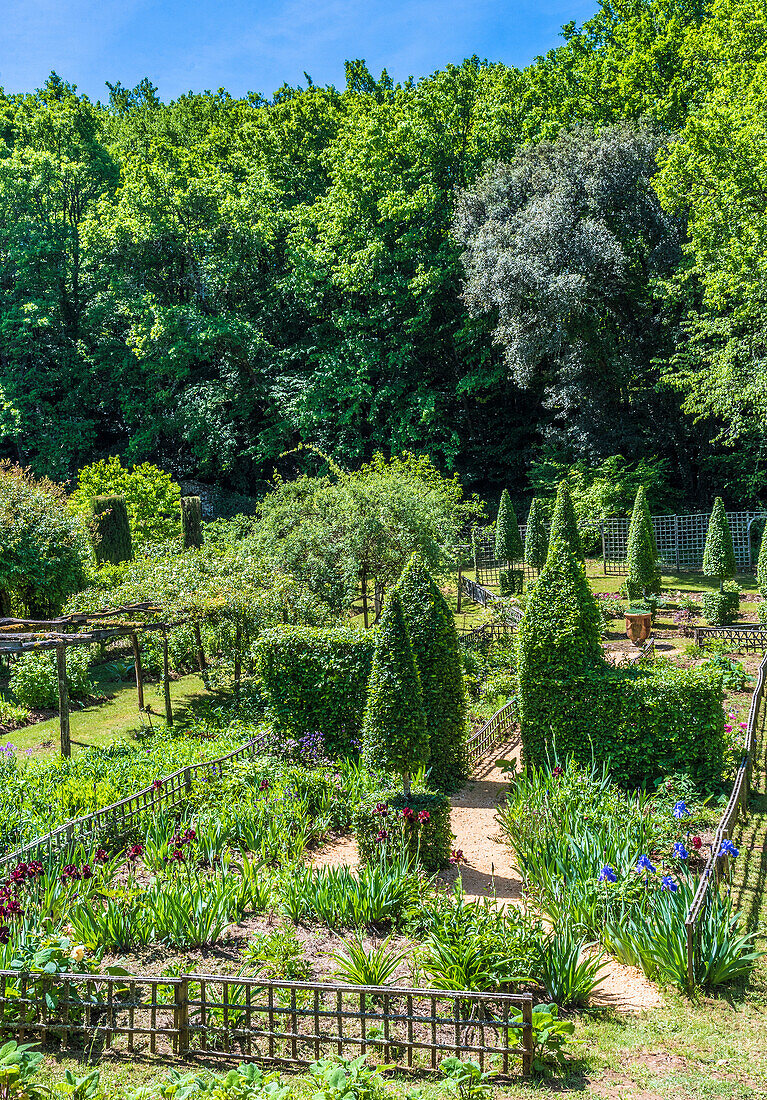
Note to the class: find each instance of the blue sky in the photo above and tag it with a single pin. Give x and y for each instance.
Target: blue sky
(245, 46)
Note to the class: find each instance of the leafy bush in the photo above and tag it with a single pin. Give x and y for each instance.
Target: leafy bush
(247, 1082)
(467, 1080)
(12, 715)
(564, 523)
(34, 677)
(643, 574)
(110, 527)
(719, 554)
(382, 824)
(720, 607)
(279, 955)
(550, 1034)
(508, 541)
(341, 1079)
(536, 536)
(152, 497)
(316, 679)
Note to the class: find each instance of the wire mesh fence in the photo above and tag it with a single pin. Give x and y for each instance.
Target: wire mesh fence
(293, 1023)
(681, 540)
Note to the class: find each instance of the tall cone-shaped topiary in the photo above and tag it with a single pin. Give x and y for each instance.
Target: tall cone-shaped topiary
(112, 540)
(536, 536)
(564, 524)
(508, 541)
(558, 648)
(434, 638)
(761, 565)
(641, 506)
(643, 574)
(394, 734)
(719, 554)
(191, 522)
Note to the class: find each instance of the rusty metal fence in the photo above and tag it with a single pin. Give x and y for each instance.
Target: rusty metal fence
(290, 1023)
(744, 638)
(737, 804)
(498, 727)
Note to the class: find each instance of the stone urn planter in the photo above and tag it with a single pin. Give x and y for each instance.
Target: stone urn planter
(638, 626)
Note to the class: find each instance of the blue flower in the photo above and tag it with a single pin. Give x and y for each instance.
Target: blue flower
(667, 883)
(679, 851)
(680, 810)
(728, 849)
(607, 874)
(643, 864)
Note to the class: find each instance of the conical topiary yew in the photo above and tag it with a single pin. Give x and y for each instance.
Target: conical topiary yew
(112, 540)
(641, 506)
(564, 523)
(508, 541)
(536, 537)
(394, 733)
(434, 638)
(719, 553)
(761, 565)
(643, 575)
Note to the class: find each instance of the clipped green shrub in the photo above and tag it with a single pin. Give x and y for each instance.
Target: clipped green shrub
(719, 553)
(111, 530)
(564, 524)
(511, 582)
(720, 608)
(761, 565)
(379, 821)
(647, 721)
(536, 536)
(643, 574)
(394, 732)
(191, 522)
(34, 677)
(508, 541)
(642, 507)
(315, 679)
(434, 639)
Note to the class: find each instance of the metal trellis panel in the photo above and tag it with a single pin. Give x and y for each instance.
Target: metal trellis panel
(680, 539)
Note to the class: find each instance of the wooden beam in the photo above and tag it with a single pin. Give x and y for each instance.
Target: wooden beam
(61, 668)
(166, 679)
(138, 672)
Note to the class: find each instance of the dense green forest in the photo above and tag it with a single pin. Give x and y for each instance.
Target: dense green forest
(513, 271)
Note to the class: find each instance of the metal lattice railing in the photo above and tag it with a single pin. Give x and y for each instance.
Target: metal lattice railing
(487, 567)
(499, 726)
(743, 638)
(292, 1023)
(680, 539)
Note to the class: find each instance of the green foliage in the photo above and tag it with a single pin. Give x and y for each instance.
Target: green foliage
(761, 565)
(112, 540)
(720, 608)
(467, 1080)
(41, 546)
(568, 974)
(536, 536)
(564, 523)
(508, 542)
(434, 639)
(380, 826)
(380, 893)
(246, 1082)
(191, 522)
(19, 1063)
(550, 1034)
(358, 966)
(280, 956)
(719, 555)
(316, 679)
(341, 1079)
(34, 677)
(645, 721)
(394, 731)
(643, 574)
(151, 497)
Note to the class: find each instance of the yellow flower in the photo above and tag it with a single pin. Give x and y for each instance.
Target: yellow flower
(77, 954)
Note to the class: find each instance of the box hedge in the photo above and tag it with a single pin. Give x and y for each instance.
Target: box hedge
(382, 813)
(316, 679)
(720, 608)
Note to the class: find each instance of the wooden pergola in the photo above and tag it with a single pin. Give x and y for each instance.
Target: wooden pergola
(19, 636)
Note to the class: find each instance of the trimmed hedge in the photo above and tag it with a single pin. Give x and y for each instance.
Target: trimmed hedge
(643, 574)
(508, 541)
(432, 840)
(112, 540)
(719, 554)
(647, 721)
(564, 523)
(720, 608)
(191, 522)
(641, 506)
(511, 582)
(316, 679)
(434, 638)
(536, 536)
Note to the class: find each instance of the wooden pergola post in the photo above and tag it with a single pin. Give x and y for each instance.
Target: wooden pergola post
(61, 668)
(138, 671)
(166, 678)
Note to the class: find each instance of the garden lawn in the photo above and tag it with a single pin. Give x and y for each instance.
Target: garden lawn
(116, 717)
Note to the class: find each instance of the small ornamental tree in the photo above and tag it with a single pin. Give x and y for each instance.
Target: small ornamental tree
(719, 554)
(434, 638)
(761, 565)
(394, 733)
(641, 506)
(111, 530)
(536, 537)
(191, 522)
(151, 496)
(643, 575)
(508, 542)
(564, 524)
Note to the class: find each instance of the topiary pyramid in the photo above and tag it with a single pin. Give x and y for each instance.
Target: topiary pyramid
(641, 506)
(643, 574)
(719, 553)
(508, 541)
(112, 540)
(761, 565)
(536, 536)
(434, 639)
(394, 733)
(564, 523)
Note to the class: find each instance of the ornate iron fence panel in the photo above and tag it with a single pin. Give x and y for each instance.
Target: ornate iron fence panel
(680, 539)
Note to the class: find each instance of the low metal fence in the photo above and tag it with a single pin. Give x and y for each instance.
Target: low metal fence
(737, 804)
(498, 727)
(743, 638)
(290, 1023)
(118, 818)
